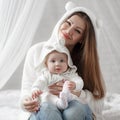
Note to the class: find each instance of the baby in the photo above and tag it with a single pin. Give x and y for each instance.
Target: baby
(58, 67)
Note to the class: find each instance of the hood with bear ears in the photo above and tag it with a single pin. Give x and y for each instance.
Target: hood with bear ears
(70, 9)
(55, 46)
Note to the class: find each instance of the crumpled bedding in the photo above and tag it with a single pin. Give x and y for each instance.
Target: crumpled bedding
(9, 105)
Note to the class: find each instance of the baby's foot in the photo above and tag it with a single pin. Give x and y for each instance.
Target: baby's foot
(62, 103)
(67, 93)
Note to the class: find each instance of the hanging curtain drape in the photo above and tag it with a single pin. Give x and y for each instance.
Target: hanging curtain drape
(19, 20)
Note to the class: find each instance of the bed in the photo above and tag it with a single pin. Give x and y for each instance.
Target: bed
(10, 110)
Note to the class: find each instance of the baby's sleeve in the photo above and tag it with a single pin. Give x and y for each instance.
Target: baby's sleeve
(79, 82)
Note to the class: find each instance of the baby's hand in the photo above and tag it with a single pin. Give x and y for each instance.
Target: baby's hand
(36, 93)
(70, 85)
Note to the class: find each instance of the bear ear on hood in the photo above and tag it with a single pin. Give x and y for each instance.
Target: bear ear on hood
(70, 5)
(99, 23)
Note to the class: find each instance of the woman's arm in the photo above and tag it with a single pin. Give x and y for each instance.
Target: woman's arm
(29, 76)
(56, 88)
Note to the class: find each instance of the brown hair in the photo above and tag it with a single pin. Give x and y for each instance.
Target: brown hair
(85, 57)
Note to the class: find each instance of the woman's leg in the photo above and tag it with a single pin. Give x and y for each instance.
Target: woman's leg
(47, 112)
(77, 111)
(89, 114)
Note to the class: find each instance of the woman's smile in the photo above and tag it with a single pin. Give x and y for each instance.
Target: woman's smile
(66, 36)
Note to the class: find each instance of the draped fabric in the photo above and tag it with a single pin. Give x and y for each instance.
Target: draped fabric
(12, 21)
(19, 20)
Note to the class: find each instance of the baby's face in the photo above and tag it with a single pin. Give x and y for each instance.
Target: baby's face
(57, 63)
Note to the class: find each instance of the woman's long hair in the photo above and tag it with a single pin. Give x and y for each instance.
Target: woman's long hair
(85, 57)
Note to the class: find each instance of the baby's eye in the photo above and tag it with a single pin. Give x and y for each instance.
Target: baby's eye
(52, 61)
(61, 60)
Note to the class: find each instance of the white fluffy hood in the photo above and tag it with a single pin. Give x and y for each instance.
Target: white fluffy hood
(58, 46)
(70, 9)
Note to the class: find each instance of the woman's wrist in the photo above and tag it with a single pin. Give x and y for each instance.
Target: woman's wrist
(77, 93)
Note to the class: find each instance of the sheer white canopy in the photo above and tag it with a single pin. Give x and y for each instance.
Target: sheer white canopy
(19, 20)
(24, 21)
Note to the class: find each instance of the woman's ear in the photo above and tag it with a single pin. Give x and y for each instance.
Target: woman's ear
(81, 41)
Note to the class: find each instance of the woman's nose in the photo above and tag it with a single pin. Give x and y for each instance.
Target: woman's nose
(70, 31)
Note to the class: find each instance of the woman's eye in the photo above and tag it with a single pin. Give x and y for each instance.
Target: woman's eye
(68, 22)
(78, 31)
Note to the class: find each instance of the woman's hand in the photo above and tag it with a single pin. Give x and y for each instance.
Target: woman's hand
(56, 88)
(31, 105)
(77, 93)
(36, 93)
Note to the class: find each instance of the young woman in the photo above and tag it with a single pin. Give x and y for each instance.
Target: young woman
(79, 28)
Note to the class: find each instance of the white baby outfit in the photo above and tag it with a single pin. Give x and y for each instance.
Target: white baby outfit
(46, 78)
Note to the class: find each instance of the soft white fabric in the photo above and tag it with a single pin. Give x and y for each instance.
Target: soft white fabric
(46, 79)
(34, 56)
(19, 20)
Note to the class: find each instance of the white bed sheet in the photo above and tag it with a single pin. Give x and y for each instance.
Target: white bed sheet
(9, 105)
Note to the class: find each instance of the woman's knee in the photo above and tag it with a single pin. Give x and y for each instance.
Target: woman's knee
(75, 111)
(48, 112)
(48, 106)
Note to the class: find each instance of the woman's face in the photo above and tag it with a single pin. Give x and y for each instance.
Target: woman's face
(72, 31)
